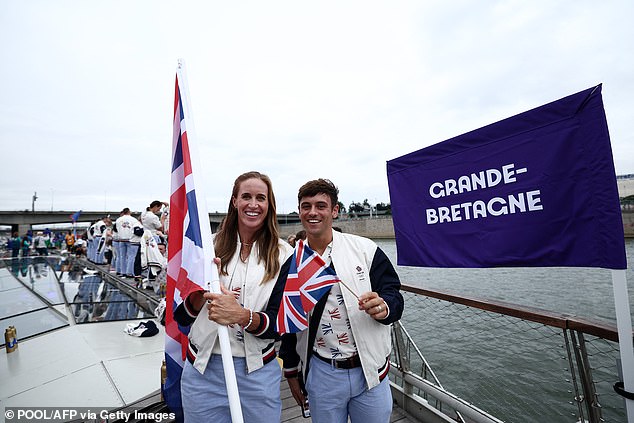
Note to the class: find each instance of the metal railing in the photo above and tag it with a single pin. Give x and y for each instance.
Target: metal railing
(517, 364)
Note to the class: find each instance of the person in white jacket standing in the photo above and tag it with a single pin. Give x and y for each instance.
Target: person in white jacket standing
(151, 221)
(129, 243)
(347, 344)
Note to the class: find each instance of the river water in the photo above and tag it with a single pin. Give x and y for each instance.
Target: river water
(584, 292)
(463, 359)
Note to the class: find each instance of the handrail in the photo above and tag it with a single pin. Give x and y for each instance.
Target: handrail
(469, 410)
(593, 402)
(534, 314)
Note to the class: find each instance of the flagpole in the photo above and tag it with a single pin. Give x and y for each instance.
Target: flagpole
(348, 288)
(624, 327)
(210, 270)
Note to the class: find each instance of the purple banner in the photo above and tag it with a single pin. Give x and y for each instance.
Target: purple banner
(534, 190)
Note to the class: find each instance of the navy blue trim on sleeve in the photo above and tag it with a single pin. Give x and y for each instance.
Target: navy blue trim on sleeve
(185, 314)
(270, 313)
(385, 282)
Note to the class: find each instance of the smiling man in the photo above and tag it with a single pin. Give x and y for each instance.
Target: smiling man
(347, 344)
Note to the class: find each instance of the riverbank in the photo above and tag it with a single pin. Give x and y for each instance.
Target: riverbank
(382, 227)
(376, 227)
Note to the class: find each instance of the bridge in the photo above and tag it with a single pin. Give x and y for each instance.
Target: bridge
(22, 221)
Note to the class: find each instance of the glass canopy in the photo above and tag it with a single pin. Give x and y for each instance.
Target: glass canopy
(43, 293)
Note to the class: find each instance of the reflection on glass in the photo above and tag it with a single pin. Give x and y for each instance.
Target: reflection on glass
(58, 280)
(96, 300)
(36, 273)
(34, 323)
(18, 300)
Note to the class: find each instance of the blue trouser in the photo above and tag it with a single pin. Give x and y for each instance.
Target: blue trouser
(92, 249)
(89, 249)
(130, 255)
(122, 250)
(334, 394)
(205, 396)
(100, 250)
(115, 254)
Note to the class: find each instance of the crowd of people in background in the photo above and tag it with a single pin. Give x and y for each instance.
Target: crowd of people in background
(133, 246)
(38, 243)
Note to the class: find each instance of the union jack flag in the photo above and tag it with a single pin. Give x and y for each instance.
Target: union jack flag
(187, 269)
(308, 280)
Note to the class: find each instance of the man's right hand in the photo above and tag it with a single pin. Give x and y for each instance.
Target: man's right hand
(296, 390)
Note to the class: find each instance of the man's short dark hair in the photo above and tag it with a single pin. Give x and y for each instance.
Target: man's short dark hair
(319, 186)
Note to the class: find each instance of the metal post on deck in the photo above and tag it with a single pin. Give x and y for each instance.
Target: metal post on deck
(624, 326)
(585, 375)
(577, 396)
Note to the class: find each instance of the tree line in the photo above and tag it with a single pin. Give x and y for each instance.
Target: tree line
(365, 208)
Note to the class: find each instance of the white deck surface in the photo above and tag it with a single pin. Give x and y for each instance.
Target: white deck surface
(87, 365)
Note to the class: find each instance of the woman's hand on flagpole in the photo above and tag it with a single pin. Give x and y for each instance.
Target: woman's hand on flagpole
(224, 308)
(374, 305)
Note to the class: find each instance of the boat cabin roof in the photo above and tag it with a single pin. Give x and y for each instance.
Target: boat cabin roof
(73, 350)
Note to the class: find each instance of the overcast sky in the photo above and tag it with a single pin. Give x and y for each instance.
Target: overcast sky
(294, 89)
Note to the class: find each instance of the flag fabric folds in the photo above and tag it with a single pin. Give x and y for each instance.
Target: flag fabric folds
(185, 265)
(75, 216)
(308, 280)
(536, 189)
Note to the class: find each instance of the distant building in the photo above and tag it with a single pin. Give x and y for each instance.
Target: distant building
(625, 185)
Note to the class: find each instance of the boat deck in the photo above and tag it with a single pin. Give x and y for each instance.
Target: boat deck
(291, 412)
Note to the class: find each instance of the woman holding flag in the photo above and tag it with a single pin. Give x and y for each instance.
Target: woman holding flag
(250, 254)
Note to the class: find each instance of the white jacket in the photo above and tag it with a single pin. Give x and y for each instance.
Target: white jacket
(204, 332)
(150, 221)
(125, 225)
(150, 254)
(352, 257)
